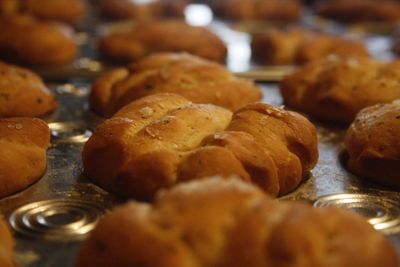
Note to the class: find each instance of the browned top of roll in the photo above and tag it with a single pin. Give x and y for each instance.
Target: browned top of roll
(69, 11)
(359, 10)
(299, 46)
(28, 41)
(162, 139)
(373, 144)
(338, 88)
(162, 36)
(23, 93)
(23, 145)
(142, 10)
(227, 223)
(274, 10)
(197, 79)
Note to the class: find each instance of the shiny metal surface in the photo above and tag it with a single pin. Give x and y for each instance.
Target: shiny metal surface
(380, 211)
(69, 132)
(61, 220)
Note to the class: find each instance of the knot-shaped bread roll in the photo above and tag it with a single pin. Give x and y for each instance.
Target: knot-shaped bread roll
(337, 88)
(373, 144)
(199, 80)
(162, 139)
(23, 145)
(228, 223)
(300, 45)
(23, 93)
(162, 35)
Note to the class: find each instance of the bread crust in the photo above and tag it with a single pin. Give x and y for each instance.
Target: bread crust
(162, 139)
(199, 80)
(69, 11)
(299, 46)
(126, 9)
(229, 223)
(28, 41)
(23, 145)
(274, 10)
(373, 144)
(167, 35)
(359, 10)
(23, 93)
(6, 245)
(336, 88)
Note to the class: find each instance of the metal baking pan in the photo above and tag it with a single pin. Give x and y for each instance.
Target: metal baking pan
(51, 217)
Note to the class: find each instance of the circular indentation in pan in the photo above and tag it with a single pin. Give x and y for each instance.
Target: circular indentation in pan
(57, 220)
(69, 132)
(382, 212)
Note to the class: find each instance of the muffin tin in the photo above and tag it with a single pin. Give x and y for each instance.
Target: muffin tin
(51, 217)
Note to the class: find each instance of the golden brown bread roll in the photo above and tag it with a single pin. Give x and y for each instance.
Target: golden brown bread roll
(61, 10)
(6, 246)
(23, 145)
(359, 10)
(23, 93)
(299, 46)
(26, 40)
(197, 79)
(8, 7)
(275, 10)
(162, 139)
(336, 89)
(373, 144)
(142, 10)
(162, 36)
(228, 223)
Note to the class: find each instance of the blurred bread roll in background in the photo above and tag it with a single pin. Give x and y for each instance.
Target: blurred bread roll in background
(29, 41)
(140, 10)
(167, 35)
(23, 93)
(300, 45)
(199, 80)
(337, 88)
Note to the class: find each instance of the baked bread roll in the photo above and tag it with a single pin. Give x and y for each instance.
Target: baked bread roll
(299, 46)
(142, 10)
(162, 36)
(228, 223)
(23, 93)
(23, 145)
(336, 89)
(197, 79)
(8, 7)
(26, 40)
(6, 246)
(274, 10)
(69, 11)
(359, 10)
(373, 144)
(162, 139)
